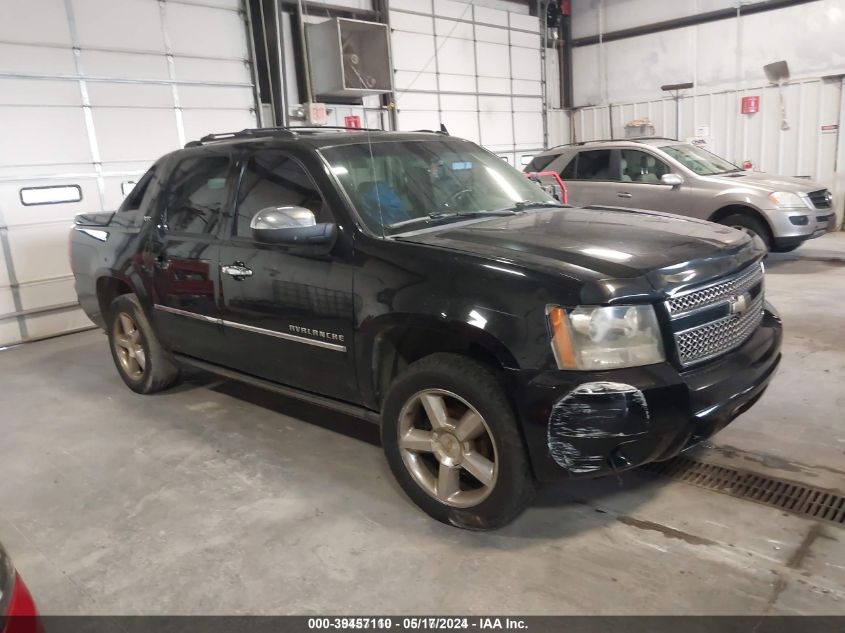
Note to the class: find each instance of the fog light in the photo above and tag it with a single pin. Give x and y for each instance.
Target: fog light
(799, 220)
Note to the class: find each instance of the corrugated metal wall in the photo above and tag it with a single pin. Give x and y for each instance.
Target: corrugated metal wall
(91, 92)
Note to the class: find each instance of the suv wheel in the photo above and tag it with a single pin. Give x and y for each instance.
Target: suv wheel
(452, 442)
(141, 361)
(750, 225)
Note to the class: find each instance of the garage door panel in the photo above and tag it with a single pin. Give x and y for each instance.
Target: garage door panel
(496, 17)
(222, 34)
(134, 133)
(56, 323)
(494, 104)
(420, 101)
(401, 21)
(211, 70)
(456, 56)
(453, 28)
(40, 92)
(45, 294)
(43, 135)
(459, 102)
(121, 24)
(104, 93)
(501, 85)
(413, 51)
(418, 120)
(462, 124)
(10, 333)
(39, 252)
(528, 129)
(17, 214)
(453, 9)
(44, 21)
(124, 65)
(198, 123)
(215, 96)
(4, 273)
(496, 128)
(491, 34)
(526, 63)
(493, 60)
(523, 87)
(17, 58)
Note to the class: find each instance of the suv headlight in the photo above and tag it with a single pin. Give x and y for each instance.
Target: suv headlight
(597, 337)
(787, 200)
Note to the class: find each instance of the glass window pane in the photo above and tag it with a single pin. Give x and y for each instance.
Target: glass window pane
(594, 165)
(197, 195)
(637, 166)
(274, 179)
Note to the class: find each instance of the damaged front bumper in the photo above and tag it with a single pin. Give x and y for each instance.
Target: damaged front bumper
(594, 423)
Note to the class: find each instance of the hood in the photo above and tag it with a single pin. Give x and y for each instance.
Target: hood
(766, 182)
(605, 244)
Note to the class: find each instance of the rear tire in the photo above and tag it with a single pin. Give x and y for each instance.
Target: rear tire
(469, 468)
(143, 364)
(749, 225)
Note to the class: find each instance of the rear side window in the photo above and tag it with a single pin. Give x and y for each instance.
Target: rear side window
(197, 195)
(136, 196)
(568, 172)
(274, 179)
(539, 163)
(594, 165)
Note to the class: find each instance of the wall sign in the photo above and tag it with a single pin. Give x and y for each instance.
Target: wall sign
(353, 121)
(750, 105)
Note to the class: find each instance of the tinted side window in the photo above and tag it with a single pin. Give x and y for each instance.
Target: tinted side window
(568, 172)
(641, 167)
(197, 195)
(274, 179)
(594, 165)
(539, 163)
(133, 200)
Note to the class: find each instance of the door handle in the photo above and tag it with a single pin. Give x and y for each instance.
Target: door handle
(624, 194)
(237, 270)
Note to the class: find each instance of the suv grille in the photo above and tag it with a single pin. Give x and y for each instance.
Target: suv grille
(737, 309)
(820, 198)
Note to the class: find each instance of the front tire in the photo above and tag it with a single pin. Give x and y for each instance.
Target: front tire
(749, 225)
(451, 439)
(141, 361)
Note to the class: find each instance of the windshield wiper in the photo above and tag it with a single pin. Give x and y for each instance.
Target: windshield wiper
(524, 205)
(440, 215)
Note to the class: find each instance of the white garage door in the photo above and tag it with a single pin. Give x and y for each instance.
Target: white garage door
(475, 69)
(91, 92)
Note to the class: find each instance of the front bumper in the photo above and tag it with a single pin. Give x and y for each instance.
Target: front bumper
(791, 227)
(594, 423)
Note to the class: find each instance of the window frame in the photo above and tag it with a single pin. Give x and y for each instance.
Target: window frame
(225, 211)
(242, 162)
(647, 153)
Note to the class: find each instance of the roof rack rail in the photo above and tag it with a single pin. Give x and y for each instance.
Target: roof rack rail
(615, 140)
(259, 132)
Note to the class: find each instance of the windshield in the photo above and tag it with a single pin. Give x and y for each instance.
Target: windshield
(400, 185)
(699, 160)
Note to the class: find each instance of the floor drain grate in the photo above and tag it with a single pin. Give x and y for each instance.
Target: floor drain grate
(817, 503)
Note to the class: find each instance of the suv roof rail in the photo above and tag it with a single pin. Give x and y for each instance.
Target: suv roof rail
(615, 140)
(285, 132)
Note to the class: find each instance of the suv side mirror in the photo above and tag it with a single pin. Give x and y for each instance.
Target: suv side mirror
(290, 225)
(672, 180)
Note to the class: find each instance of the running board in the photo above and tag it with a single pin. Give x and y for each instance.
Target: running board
(322, 401)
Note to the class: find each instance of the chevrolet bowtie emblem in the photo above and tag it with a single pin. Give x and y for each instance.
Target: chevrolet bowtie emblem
(738, 304)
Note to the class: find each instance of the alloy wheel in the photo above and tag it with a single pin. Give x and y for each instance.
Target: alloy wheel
(448, 448)
(128, 347)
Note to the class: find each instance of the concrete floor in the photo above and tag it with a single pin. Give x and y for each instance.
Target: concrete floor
(217, 498)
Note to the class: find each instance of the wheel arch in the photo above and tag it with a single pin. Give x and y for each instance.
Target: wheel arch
(741, 209)
(108, 287)
(400, 342)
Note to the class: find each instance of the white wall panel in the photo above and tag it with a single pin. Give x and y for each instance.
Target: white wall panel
(37, 60)
(118, 65)
(455, 56)
(412, 51)
(222, 33)
(43, 135)
(402, 21)
(493, 60)
(39, 92)
(121, 24)
(44, 21)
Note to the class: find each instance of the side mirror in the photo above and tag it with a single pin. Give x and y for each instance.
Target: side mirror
(672, 180)
(290, 225)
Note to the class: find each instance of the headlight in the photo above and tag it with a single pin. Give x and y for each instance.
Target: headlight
(787, 200)
(591, 338)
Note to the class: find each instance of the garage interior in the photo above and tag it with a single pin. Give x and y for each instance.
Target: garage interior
(240, 501)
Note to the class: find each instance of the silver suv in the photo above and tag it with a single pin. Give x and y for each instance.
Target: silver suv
(663, 174)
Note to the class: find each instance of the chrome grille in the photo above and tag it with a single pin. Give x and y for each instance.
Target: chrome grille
(820, 198)
(731, 326)
(716, 338)
(716, 293)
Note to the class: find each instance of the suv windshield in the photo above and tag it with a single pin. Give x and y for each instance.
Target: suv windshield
(699, 160)
(399, 185)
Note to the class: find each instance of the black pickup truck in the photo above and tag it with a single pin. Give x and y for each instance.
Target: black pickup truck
(416, 281)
